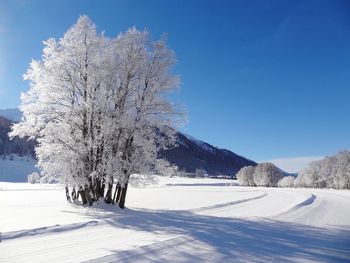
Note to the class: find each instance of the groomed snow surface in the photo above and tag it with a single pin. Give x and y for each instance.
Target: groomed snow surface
(177, 220)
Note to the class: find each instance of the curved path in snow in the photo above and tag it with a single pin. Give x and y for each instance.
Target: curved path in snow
(184, 221)
(322, 208)
(212, 208)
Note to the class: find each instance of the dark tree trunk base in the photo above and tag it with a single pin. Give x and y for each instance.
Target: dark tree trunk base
(74, 195)
(82, 194)
(108, 197)
(67, 194)
(118, 193)
(114, 195)
(102, 189)
(88, 195)
(123, 196)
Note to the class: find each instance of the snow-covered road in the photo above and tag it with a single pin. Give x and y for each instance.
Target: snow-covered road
(178, 220)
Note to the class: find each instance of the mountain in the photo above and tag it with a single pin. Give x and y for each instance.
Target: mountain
(18, 146)
(11, 114)
(190, 154)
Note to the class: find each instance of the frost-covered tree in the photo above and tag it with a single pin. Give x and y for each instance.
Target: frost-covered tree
(309, 177)
(286, 181)
(264, 174)
(99, 109)
(33, 178)
(267, 174)
(299, 181)
(245, 176)
(330, 172)
(341, 175)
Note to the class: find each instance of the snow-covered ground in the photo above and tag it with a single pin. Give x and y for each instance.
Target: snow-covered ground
(177, 220)
(14, 168)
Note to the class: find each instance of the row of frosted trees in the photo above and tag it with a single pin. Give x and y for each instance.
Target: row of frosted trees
(99, 110)
(264, 174)
(330, 172)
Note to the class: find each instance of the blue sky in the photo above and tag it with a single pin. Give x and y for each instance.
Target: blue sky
(266, 79)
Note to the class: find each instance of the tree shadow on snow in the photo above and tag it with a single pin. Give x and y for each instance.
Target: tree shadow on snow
(216, 239)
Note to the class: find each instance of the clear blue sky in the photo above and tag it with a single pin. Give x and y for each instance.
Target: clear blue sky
(265, 79)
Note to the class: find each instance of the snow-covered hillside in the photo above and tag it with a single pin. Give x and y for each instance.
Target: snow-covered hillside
(177, 220)
(14, 168)
(189, 155)
(11, 114)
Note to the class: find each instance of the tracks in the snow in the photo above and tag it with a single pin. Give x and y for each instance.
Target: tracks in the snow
(218, 206)
(44, 230)
(306, 202)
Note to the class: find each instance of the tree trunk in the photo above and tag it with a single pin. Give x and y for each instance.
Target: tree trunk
(115, 193)
(102, 188)
(67, 194)
(119, 189)
(81, 191)
(108, 198)
(98, 188)
(74, 195)
(88, 195)
(91, 191)
(123, 196)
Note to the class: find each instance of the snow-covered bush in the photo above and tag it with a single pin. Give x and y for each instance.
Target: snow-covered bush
(245, 176)
(330, 172)
(287, 181)
(33, 178)
(267, 174)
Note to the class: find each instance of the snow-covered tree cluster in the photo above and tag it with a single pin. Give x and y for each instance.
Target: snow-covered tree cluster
(287, 181)
(330, 172)
(264, 174)
(245, 176)
(99, 110)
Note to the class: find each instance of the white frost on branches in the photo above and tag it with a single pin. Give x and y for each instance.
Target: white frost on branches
(33, 178)
(245, 176)
(287, 181)
(99, 106)
(264, 174)
(330, 172)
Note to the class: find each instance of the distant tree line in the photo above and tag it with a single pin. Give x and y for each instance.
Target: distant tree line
(330, 172)
(264, 174)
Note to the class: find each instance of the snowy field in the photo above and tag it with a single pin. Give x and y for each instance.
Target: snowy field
(177, 220)
(14, 168)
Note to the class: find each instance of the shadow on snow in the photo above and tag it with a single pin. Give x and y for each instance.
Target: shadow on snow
(210, 238)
